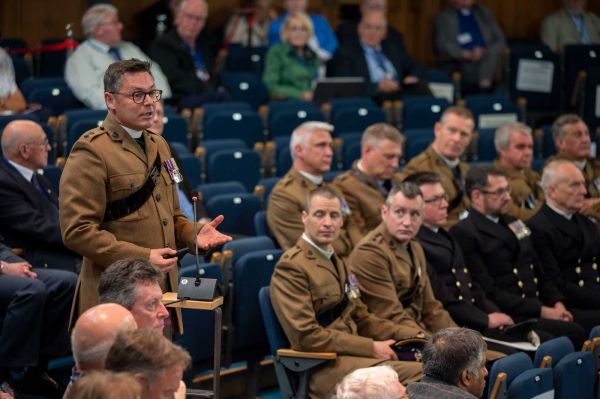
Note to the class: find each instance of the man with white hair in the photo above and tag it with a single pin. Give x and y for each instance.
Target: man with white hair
(379, 382)
(514, 145)
(104, 45)
(310, 148)
(568, 243)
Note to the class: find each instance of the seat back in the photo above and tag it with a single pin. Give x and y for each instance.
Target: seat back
(574, 376)
(591, 100)
(266, 185)
(512, 365)
(176, 129)
(422, 112)
(260, 224)
(58, 99)
(557, 348)
(242, 246)
(245, 125)
(242, 58)
(353, 119)
(76, 130)
(239, 210)
(191, 168)
(210, 190)
(247, 87)
(235, 165)
(533, 383)
(275, 334)
(284, 122)
(492, 111)
(338, 104)
(486, 149)
(578, 57)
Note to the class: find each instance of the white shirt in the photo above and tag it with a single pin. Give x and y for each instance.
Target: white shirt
(85, 69)
(25, 172)
(7, 75)
(313, 178)
(564, 214)
(326, 254)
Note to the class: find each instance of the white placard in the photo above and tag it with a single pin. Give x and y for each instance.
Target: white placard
(442, 90)
(536, 76)
(520, 345)
(597, 113)
(489, 121)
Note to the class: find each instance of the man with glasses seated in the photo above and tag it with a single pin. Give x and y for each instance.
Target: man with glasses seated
(29, 211)
(500, 256)
(103, 46)
(118, 188)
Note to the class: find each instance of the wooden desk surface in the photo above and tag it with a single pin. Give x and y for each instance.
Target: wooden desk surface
(190, 304)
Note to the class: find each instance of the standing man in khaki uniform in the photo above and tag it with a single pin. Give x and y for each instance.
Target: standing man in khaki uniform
(368, 183)
(310, 148)
(514, 145)
(452, 137)
(391, 267)
(118, 196)
(572, 139)
(319, 305)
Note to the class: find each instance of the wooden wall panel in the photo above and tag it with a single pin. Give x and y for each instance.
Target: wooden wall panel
(37, 19)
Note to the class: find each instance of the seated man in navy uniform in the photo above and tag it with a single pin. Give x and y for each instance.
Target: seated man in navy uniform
(501, 258)
(34, 309)
(568, 243)
(318, 303)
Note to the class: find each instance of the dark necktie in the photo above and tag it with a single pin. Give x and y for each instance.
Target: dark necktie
(36, 183)
(114, 51)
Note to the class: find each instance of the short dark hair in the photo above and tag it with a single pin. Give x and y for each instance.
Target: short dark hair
(422, 178)
(324, 192)
(118, 282)
(114, 72)
(477, 177)
(452, 350)
(409, 189)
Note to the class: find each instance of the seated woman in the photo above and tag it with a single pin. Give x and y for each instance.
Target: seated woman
(291, 66)
(11, 98)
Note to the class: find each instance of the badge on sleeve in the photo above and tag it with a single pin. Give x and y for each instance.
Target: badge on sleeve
(519, 229)
(173, 170)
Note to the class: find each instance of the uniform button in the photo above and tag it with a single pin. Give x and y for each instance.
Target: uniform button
(157, 197)
(598, 279)
(581, 283)
(578, 270)
(466, 270)
(515, 271)
(537, 293)
(458, 283)
(472, 300)
(535, 280)
(115, 135)
(579, 261)
(453, 270)
(595, 266)
(165, 221)
(523, 296)
(531, 266)
(520, 284)
(470, 285)
(460, 298)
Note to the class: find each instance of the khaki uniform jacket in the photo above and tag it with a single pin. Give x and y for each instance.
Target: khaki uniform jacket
(304, 285)
(430, 161)
(558, 29)
(395, 284)
(107, 164)
(526, 193)
(364, 197)
(284, 213)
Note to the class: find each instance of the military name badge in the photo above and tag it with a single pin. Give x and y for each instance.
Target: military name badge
(351, 288)
(519, 229)
(173, 170)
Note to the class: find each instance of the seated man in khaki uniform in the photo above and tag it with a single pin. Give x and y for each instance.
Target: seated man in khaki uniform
(573, 142)
(368, 183)
(310, 148)
(319, 304)
(514, 145)
(452, 137)
(391, 267)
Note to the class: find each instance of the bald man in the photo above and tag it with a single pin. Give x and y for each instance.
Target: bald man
(29, 211)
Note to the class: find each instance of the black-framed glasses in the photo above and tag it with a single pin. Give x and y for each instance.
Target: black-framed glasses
(499, 192)
(437, 199)
(138, 97)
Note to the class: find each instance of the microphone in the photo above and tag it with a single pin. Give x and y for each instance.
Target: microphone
(200, 289)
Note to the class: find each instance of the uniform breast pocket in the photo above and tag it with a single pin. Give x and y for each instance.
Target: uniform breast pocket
(124, 187)
(325, 295)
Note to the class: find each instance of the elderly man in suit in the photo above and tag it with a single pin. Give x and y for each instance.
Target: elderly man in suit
(469, 39)
(453, 134)
(118, 191)
(514, 145)
(391, 267)
(310, 148)
(568, 243)
(319, 305)
(368, 183)
(29, 211)
(35, 303)
(572, 24)
(501, 258)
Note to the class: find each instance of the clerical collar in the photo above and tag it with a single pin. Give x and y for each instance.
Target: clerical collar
(580, 164)
(562, 213)
(435, 229)
(313, 178)
(326, 254)
(25, 172)
(452, 163)
(135, 134)
(465, 11)
(494, 219)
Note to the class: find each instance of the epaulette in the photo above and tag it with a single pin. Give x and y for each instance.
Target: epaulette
(377, 238)
(92, 134)
(292, 252)
(287, 179)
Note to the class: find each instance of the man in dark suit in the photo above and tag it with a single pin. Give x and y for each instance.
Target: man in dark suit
(568, 243)
(384, 64)
(501, 258)
(29, 211)
(34, 304)
(449, 275)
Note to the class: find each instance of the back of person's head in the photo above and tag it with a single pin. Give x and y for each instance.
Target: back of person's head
(451, 351)
(146, 354)
(102, 384)
(119, 281)
(116, 70)
(95, 16)
(380, 382)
